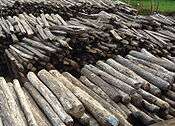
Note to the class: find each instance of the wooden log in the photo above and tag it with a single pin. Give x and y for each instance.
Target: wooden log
(46, 24)
(88, 120)
(41, 32)
(165, 64)
(150, 107)
(170, 94)
(38, 44)
(171, 102)
(24, 104)
(153, 99)
(6, 116)
(124, 70)
(50, 97)
(18, 107)
(106, 68)
(38, 114)
(85, 81)
(104, 103)
(44, 105)
(19, 120)
(143, 117)
(103, 116)
(147, 66)
(108, 89)
(111, 80)
(69, 101)
(1, 123)
(157, 81)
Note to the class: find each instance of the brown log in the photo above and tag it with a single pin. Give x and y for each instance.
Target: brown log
(157, 81)
(50, 97)
(69, 101)
(38, 114)
(106, 68)
(88, 120)
(111, 80)
(126, 71)
(24, 104)
(6, 115)
(169, 66)
(103, 116)
(19, 120)
(153, 99)
(44, 105)
(108, 89)
(143, 117)
(104, 103)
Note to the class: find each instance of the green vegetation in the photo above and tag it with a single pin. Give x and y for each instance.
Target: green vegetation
(150, 6)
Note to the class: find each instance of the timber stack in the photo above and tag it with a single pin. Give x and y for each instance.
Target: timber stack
(85, 62)
(136, 90)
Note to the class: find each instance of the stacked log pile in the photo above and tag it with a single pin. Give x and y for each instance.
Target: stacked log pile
(36, 41)
(144, 83)
(138, 89)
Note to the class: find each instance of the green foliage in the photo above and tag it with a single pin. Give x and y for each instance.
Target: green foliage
(150, 6)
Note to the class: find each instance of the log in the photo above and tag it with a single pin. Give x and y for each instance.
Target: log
(38, 114)
(111, 80)
(44, 105)
(124, 70)
(85, 81)
(143, 117)
(151, 68)
(106, 68)
(50, 97)
(103, 116)
(19, 120)
(153, 99)
(165, 64)
(157, 81)
(24, 104)
(69, 101)
(88, 120)
(6, 115)
(108, 89)
(109, 105)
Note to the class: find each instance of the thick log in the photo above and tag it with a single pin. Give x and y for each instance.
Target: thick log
(124, 70)
(50, 97)
(38, 114)
(108, 89)
(19, 120)
(103, 116)
(44, 105)
(170, 94)
(150, 67)
(108, 104)
(157, 81)
(6, 115)
(24, 104)
(38, 45)
(106, 68)
(101, 93)
(143, 117)
(111, 80)
(153, 99)
(150, 107)
(69, 101)
(167, 65)
(88, 120)
(18, 107)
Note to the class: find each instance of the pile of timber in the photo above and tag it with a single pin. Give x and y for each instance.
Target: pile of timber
(136, 90)
(14, 7)
(35, 42)
(141, 84)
